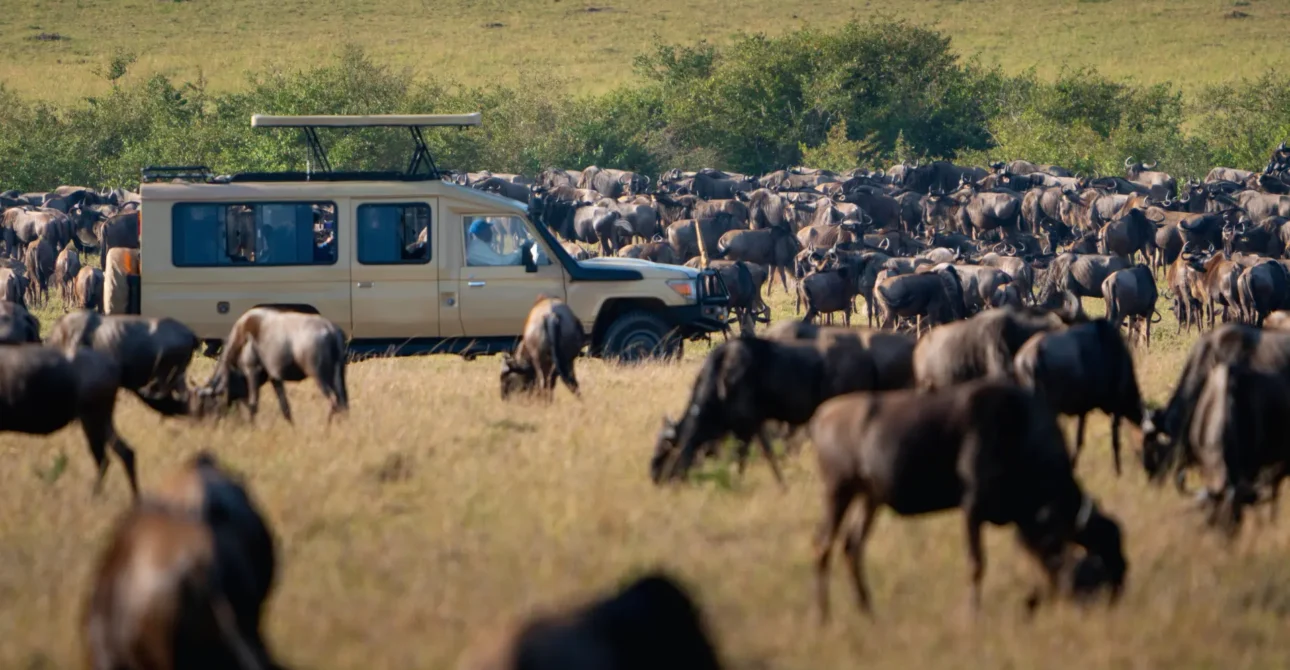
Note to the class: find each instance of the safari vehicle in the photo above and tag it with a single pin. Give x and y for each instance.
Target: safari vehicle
(404, 262)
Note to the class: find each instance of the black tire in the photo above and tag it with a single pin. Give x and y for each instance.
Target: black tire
(638, 336)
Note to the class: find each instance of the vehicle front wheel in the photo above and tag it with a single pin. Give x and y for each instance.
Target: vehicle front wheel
(638, 336)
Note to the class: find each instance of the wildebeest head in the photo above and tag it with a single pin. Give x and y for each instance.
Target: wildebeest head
(1104, 564)
(1157, 446)
(516, 377)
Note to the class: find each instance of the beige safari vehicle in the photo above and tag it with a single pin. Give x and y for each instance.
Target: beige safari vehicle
(405, 263)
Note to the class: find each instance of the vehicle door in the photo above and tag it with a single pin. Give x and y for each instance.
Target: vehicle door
(394, 275)
(496, 290)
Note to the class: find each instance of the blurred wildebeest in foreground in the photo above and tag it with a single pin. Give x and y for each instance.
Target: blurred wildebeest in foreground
(552, 340)
(183, 580)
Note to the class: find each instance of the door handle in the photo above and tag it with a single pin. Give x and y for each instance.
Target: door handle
(474, 284)
(364, 284)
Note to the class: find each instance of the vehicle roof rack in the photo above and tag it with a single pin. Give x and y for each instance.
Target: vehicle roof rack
(154, 173)
(421, 165)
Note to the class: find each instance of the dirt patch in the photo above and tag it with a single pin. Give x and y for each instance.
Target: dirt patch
(48, 37)
(1236, 14)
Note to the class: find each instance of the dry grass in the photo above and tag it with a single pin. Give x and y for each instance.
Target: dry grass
(592, 43)
(434, 510)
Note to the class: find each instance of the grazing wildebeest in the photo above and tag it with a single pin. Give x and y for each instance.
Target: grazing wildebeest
(749, 381)
(552, 340)
(893, 353)
(183, 579)
(982, 346)
(273, 345)
(651, 623)
(42, 390)
(152, 353)
(1167, 442)
(1235, 435)
(987, 447)
(1083, 368)
(17, 325)
(1131, 293)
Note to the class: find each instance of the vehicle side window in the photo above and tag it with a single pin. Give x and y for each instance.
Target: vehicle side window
(261, 233)
(393, 233)
(496, 240)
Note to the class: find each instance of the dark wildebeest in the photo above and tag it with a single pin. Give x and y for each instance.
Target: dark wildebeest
(40, 257)
(183, 579)
(1080, 275)
(552, 340)
(152, 353)
(1131, 293)
(1167, 443)
(651, 623)
(773, 248)
(1160, 183)
(1262, 287)
(827, 292)
(1235, 435)
(42, 390)
(982, 346)
(121, 230)
(87, 290)
(987, 447)
(936, 295)
(1083, 368)
(893, 353)
(749, 381)
(744, 282)
(613, 183)
(65, 270)
(17, 325)
(273, 345)
(1128, 235)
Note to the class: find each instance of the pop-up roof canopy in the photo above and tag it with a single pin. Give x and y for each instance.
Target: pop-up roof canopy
(367, 121)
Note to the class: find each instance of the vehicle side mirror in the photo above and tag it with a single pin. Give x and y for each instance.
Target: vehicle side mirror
(526, 253)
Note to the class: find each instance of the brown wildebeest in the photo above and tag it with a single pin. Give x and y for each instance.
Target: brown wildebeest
(273, 345)
(987, 447)
(651, 623)
(17, 325)
(42, 390)
(893, 353)
(183, 580)
(65, 270)
(153, 354)
(88, 290)
(552, 340)
(13, 286)
(40, 258)
(982, 346)
(1083, 368)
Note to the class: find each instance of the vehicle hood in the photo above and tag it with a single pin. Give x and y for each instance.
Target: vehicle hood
(648, 269)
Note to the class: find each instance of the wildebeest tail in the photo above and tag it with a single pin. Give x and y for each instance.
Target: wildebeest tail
(1245, 294)
(339, 362)
(551, 323)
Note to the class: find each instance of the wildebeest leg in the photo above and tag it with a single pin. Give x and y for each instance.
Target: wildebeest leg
(1115, 440)
(976, 555)
(99, 433)
(836, 502)
(854, 549)
(770, 456)
(1079, 441)
(281, 390)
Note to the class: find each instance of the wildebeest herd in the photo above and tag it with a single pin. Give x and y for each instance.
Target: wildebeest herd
(972, 276)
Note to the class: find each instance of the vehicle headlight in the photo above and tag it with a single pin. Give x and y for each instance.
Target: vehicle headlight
(685, 287)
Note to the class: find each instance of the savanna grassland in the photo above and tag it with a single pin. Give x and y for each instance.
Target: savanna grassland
(434, 511)
(52, 48)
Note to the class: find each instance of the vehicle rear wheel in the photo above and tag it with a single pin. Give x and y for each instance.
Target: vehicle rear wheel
(638, 336)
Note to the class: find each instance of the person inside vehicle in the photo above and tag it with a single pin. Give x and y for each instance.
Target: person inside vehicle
(479, 247)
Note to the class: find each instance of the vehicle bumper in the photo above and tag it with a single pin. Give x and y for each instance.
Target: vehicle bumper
(710, 310)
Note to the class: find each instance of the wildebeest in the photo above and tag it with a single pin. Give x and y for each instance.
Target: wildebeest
(1083, 368)
(273, 345)
(13, 285)
(42, 390)
(1262, 287)
(650, 623)
(87, 290)
(743, 282)
(121, 230)
(893, 353)
(827, 292)
(987, 447)
(66, 267)
(40, 257)
(613, 183)
(749, 381)
(772, 247)
(152, 353)
(936, 295)
(1080, 275)
(982, 346)
(1127, 236)
(17, 325)
(183, 579)
(1145, 175)
(1132, 293)
(552, 340)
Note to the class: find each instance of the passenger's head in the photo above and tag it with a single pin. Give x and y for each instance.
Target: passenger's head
(482, 229)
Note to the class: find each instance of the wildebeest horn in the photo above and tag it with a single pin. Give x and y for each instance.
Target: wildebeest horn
(1167, 202)
(1128, 162)
(867, 219)
(1152, 166)
(885, 244)
(881, 173)
(1282, 147)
